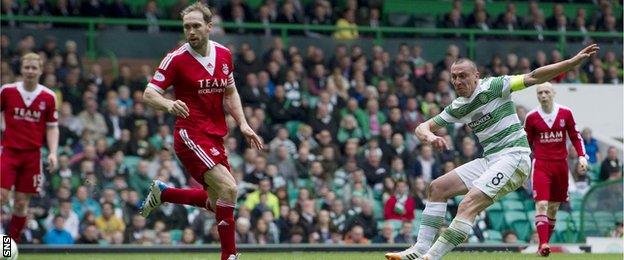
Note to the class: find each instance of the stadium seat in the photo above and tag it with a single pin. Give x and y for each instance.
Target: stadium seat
(512, 205)
(418, 213)
(292, 127)
(518, 222)
(531, 218)
(529, 204)
(378, 209)
(563, 215)
(492, 235)
(495, 216)
(176, 235)
(618, 216)
(512, 196)
(604, 216)
(415, 227)
(458, 199)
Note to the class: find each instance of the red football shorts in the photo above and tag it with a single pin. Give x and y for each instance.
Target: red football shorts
(199, 152)
(550, 180)
(20, 168)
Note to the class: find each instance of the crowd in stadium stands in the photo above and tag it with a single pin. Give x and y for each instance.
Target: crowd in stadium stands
(340, 154)
(329, 180)
(354, 13)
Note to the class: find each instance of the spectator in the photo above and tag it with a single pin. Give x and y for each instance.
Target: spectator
(509, 237)
(188, 237)
(90, 235)
(135, 233)
(92, 120)
(108, 223)
(591, 148)
(58, 235)
(611, 168)
(263, 199)
(70, 219)
(81, 203)
(426, 166)
(385, 235)
(356, 236)
(405, 235)
(347, 28)
(152, 14)
(365, 221)
(401, 205)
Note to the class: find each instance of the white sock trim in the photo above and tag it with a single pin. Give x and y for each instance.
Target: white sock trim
(437, 209)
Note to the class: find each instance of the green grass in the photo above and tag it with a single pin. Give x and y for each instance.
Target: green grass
(307, 256)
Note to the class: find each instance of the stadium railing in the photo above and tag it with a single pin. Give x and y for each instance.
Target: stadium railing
(601, 209)
(285, 30)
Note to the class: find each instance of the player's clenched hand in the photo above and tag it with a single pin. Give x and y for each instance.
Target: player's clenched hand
(253, 139)
(583, 163)
(52, 162)
(585, 53)
(437, 142)
(178, 108)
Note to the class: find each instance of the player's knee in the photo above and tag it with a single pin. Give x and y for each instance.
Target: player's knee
(553, 208)
(436, 191)
(4, 196)
(541, 207)
(20, 205)
(228, 191)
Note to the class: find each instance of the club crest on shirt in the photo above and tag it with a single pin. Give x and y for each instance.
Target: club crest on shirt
(225, 69)
(159, 76)
(214, 151)
(42, 105)
(562, 122)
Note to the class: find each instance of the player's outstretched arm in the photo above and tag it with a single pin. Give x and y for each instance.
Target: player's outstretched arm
(157, 101)
(546, 73)
(425, 133)
(233, 104)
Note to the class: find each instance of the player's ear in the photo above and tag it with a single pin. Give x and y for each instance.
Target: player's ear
(209, 25)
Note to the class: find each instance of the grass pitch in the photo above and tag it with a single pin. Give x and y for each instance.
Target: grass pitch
(306, 256)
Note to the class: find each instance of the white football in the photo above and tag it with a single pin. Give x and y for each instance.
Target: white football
(9, 248)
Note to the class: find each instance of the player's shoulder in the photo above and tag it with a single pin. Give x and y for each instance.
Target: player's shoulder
(47, 91)
(173, 55)
(8, 86)
(221, 47)
(564, 109)
(532, 113)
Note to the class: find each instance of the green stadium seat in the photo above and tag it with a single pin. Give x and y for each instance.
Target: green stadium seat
(458, 199)
(512, 196)
(563, 216)
(529, 204)
(604, 216)
(493, 235)
(495, 216)
(518, 222)
(531, 218)
(415, 227)
(176, 235)
(618, 216)
(513, 205)
(396, 224)
(378, 209)
(292, 127)
(418, 214)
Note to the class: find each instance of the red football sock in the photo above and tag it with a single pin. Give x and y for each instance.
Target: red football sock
(551, 227)
(226, 228)
(542, 226)
(15, 227)
(193, 197)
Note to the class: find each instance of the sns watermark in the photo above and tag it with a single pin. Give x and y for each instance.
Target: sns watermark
(6, 246)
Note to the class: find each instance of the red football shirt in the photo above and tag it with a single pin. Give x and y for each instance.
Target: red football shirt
(26, 115)
(547, 133)
(200, 82)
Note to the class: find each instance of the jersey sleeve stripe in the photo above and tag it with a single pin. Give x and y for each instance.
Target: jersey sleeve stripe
(440, 121)
(155, 87)
(52, 124)
(167, 60)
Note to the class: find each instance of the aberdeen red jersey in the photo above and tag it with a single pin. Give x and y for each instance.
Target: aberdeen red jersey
(26, 115)
(547, 133)
(200, 82)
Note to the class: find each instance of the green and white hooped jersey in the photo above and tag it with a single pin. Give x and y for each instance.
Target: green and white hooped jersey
(491, 114)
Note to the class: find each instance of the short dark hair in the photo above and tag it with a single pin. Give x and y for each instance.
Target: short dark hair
(465, 60)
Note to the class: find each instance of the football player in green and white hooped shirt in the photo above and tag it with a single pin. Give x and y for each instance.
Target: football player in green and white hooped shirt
(486, 106)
